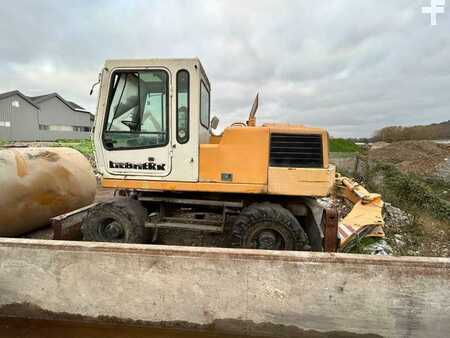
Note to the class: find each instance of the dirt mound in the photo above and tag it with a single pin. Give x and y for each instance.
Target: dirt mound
(423, 158)
(379, 145)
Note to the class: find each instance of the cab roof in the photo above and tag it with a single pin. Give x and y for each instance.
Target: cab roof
(155, 62)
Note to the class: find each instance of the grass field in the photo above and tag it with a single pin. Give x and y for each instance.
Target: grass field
(340, 145)
(83, 146)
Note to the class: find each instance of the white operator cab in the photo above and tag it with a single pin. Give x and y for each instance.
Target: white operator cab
(151, 117)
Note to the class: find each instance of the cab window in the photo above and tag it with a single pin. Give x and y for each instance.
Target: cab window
(137, 110)
(182, 106)
(204, 105)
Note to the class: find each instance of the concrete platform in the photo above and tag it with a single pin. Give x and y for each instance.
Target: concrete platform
(246, 292)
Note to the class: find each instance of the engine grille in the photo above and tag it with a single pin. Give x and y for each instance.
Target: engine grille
(296, 151)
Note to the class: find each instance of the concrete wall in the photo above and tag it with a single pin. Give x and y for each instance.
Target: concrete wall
(23, 119)
(344, 162)
(236, 291)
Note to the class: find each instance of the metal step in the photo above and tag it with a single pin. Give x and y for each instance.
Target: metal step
(190, 226)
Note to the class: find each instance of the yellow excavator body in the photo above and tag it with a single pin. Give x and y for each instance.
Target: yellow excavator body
(154, 141)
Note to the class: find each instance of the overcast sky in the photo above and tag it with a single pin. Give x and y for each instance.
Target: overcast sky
(351, 66)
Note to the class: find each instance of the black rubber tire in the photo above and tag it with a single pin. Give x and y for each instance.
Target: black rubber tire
(128, 216)
(261, 216)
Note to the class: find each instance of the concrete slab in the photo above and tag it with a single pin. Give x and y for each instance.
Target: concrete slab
(247, 292)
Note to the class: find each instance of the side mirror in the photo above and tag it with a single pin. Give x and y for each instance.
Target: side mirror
(214, 122)
(93, 86)
(130, 124)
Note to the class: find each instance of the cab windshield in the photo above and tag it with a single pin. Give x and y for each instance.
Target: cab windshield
(137, 111)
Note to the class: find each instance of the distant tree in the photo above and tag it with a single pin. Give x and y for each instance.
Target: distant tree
(433, 131)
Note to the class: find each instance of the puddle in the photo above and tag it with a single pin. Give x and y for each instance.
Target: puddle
(31, 328)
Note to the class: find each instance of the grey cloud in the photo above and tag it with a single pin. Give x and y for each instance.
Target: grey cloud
(347, 65)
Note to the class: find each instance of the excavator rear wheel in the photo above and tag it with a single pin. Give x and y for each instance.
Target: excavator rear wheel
(268, 226)
(120, 220)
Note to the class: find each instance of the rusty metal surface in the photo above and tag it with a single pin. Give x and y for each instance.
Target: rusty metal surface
(331, 240)
(40, 183)
(68, 226)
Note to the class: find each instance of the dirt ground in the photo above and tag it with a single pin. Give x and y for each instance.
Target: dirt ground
(424, 158)
(419, 234)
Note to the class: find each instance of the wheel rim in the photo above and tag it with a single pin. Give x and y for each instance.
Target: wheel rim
(268, 239)
(111, 230)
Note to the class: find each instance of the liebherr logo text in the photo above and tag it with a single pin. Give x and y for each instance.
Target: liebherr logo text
(137, 166)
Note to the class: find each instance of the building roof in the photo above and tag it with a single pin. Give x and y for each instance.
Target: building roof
(35, 100)
(16, 92)
(70, 104)
(73, 104)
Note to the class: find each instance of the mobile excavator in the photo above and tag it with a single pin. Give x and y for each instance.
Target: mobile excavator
(155, 146)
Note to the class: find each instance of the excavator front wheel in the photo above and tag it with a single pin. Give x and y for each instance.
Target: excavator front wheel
(268, 226)
(120, 220)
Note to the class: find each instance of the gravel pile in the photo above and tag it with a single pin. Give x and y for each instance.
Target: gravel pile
(343, 207)
(395, 217)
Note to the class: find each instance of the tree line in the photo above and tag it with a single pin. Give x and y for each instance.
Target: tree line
(435, 131)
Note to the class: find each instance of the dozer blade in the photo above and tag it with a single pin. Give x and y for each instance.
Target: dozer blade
(365, 219)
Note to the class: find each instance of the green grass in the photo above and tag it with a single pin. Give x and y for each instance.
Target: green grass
(340, 145)
(410, 192)
(439, 186)
(83, 146)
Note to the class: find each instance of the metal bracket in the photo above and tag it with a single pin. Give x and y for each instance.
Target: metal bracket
(331, 241)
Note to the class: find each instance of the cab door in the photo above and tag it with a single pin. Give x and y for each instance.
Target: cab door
(136, 132)
(185, 148)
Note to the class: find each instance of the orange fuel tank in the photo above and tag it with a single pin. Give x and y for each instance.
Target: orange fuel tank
(39, 183)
